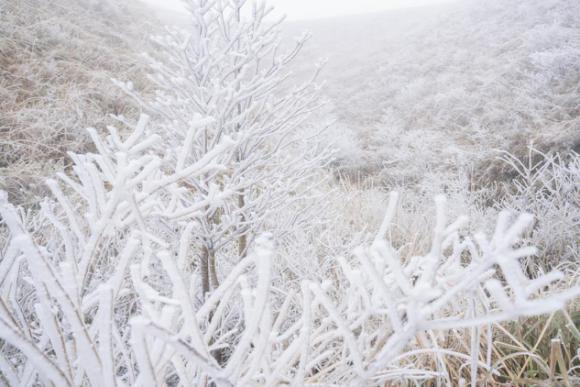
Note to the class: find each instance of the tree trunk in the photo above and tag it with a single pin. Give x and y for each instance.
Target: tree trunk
(212, 269)
(204, 267)
(243, 239)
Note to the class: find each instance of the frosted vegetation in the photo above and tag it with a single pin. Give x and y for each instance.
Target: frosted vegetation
(56, 63)
(495, 73)
(231, 220)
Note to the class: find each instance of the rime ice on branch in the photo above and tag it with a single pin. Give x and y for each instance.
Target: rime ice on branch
(228, 75)
(95, 290)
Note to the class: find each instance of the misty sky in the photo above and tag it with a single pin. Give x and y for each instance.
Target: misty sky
(310, 9)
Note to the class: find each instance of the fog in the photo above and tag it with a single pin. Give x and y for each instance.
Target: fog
(308, 9)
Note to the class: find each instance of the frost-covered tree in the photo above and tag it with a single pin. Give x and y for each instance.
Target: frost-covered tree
(232, 71)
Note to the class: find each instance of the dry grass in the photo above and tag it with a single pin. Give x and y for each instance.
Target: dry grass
(56, 63)
(538, 351)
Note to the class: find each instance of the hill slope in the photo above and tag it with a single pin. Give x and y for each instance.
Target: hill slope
(57, 59)
(435, 90)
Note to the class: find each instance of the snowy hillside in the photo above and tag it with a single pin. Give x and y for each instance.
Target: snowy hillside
(438, 89)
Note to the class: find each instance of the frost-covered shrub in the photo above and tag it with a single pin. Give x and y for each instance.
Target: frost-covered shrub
(98, 288)
(548, 186)
(65, 271)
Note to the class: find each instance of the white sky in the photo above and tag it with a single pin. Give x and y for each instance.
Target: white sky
(311, 9)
